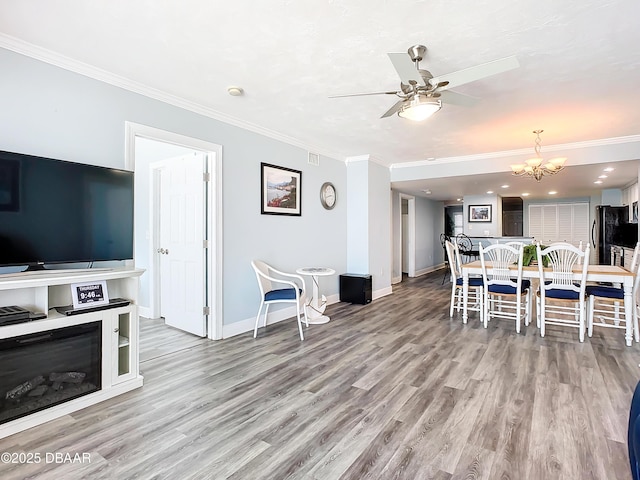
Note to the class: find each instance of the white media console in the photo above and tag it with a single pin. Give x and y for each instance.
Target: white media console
(41, 292)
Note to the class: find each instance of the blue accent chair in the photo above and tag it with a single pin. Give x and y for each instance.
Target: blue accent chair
(279, 287)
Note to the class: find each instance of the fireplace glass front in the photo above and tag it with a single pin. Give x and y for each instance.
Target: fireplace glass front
(43, 369)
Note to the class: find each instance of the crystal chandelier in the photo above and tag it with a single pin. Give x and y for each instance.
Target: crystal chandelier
(536, 167)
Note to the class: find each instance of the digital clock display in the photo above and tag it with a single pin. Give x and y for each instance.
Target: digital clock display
(89, 294)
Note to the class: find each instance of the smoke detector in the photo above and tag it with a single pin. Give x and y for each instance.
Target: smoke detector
(235, 91)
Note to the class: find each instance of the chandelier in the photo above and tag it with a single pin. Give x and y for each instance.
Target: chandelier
(536, 167)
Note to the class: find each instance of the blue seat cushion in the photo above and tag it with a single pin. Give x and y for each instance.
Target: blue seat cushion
(508, 289)
(473, 282)
(281, 294)
(562, 294)
(607, 292)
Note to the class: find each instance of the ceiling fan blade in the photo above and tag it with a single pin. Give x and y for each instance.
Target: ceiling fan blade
(362, 94)
(406, 69)
(456, 98)
(396, 107)
(477, 72)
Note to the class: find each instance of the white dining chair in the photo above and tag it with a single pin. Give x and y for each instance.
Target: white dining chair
(506, 294)
(474, 296)
(560, 297)
(279, 287)
(605, 304)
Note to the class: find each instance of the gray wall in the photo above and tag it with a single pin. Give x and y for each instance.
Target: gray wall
(52, 112)
(379, 226)
(429, 226)
(429, 219)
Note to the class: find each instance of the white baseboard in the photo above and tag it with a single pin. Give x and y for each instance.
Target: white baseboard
(144, 312)
(395, 280)
(275, 316)
(433, 268)
(383, 292)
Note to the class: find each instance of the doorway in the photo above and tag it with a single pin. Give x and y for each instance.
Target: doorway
(179, 232)
(512, 216)
(165, 144)
(407, 235)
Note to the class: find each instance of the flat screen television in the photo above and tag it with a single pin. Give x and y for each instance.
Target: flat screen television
(54, 211)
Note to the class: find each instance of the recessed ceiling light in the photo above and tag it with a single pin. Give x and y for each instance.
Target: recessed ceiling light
(552, 192)
(235, 91)
(459, 200)
(602, 176)
(525, 194)
(490, 192)
(431, 159)
(598, 181)
(504, 186)
(427, 191)
(609, 169)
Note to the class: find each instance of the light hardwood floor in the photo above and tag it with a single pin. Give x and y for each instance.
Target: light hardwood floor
(394, 389)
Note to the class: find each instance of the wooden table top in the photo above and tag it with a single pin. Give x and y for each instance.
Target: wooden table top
(601, 269)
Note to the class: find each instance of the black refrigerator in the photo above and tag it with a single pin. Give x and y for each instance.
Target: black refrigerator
(604, 229)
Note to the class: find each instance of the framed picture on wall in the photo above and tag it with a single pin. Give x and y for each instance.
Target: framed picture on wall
(281, 190)
(479, 213)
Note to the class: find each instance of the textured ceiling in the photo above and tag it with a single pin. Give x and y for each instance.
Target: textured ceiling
(578, 80)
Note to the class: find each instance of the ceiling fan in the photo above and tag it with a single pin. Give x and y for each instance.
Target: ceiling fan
(421, 94)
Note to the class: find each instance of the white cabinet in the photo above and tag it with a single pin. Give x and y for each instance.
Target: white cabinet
(41, 292)
(124, 344)
(563, 222)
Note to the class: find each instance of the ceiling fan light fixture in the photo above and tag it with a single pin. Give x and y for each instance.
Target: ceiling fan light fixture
(419, 108)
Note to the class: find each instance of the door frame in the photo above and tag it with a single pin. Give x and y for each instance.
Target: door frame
(411, 233)
(214, 208)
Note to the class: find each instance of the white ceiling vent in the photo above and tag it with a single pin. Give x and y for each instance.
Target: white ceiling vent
(314, 159)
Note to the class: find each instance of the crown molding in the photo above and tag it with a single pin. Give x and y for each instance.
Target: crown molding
(521, 151)
(38, 53)
(366, 158)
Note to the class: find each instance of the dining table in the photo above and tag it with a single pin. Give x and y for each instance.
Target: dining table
(595, 273)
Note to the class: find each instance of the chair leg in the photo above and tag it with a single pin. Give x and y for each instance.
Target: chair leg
(617, 313)
(299, 324)
(590, 307)
(581, 306)
(266, 311)
(453, 300)
(487, 302)
(541, 316)
(255, 330)
(304, 312)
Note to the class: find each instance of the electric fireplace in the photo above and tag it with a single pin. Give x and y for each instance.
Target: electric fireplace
(43, 369)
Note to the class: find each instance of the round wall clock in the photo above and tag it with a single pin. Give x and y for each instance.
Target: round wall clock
(328, 195)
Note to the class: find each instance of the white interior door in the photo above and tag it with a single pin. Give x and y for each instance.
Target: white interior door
(181, 250)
